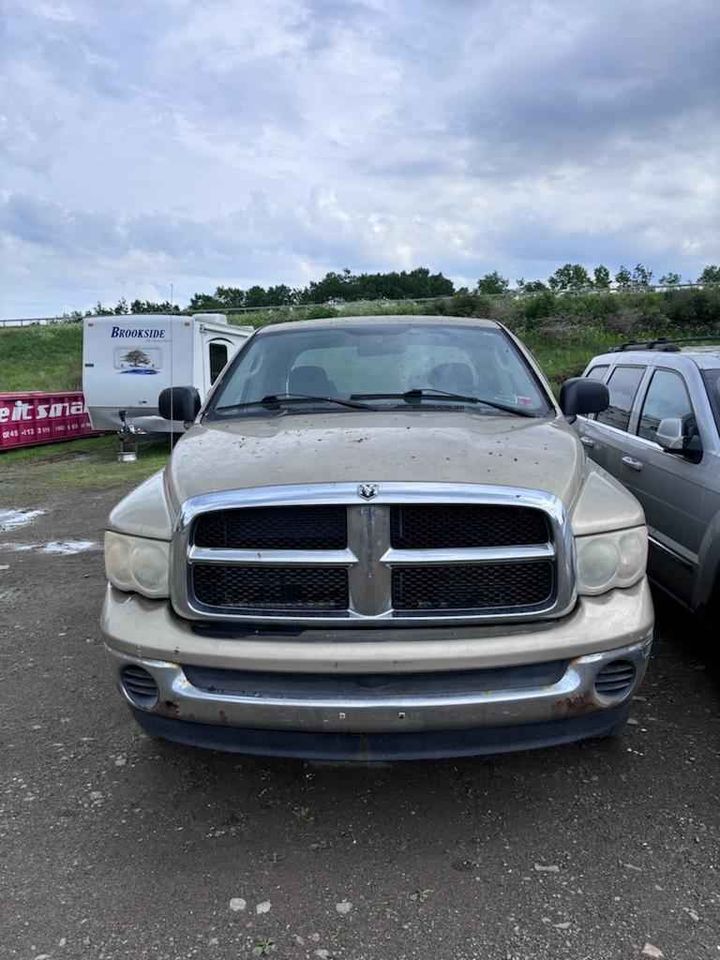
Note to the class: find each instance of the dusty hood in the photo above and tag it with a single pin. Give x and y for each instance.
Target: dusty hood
(434, 446)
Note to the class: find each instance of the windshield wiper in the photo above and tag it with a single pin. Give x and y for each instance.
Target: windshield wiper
(421, 393)
(276, 400)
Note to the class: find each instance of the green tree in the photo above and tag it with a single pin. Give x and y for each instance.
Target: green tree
(492, 283)
(230, 296)
(710, 274)
(571, 276)
(623, 278)
(200, 302)
(641, 276)
(100, 311)
(279, 295)
(670, 279)
(256, 297)
(530, 286)
(148, 306)
(601, 277)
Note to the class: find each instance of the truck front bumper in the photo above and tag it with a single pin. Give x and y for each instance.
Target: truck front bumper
(456, 692)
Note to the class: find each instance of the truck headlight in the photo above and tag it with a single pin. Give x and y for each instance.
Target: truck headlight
(137, 565)
(610, 560)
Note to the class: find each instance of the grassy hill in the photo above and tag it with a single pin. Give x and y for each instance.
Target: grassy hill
(41, 358)
(564, 332)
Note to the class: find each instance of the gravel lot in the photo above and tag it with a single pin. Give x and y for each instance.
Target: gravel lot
(116, 846)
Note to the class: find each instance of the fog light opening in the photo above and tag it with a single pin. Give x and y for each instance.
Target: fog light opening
(139, 686)
(615, 679)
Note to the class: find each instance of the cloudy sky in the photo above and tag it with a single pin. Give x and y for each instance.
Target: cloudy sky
(206, 142)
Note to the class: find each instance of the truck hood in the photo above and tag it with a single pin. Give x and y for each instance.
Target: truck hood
(430, 446)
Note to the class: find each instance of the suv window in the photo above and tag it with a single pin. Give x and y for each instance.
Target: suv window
(598, 372)
(667, 396)
(711, 379)
(623, 385)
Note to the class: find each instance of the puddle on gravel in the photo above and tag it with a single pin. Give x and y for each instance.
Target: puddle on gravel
(14, 519)
(58, 548)
(66, 548)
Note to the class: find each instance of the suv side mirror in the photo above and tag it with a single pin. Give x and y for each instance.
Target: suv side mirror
(179, 403)
(670, 435)
(677, 435)
(581, 395)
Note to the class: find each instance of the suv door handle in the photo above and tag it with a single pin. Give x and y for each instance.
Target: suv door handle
(587, 442)
(632, 463)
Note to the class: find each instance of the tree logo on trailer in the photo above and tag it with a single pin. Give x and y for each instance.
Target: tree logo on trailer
(137, 361)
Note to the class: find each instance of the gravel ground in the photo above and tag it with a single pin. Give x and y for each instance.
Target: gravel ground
(116, 846)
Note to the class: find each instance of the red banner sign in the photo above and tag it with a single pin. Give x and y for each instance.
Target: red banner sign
(30, 418)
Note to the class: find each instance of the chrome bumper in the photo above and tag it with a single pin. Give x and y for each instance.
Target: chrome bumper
(572, 695)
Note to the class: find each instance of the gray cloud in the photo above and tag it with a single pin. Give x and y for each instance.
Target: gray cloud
(207, 142)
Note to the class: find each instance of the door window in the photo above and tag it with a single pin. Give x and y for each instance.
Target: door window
(623, 385)
(597, 373)
(667, 396)
(218, 358)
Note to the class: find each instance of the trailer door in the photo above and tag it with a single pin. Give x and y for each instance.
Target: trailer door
(217, 353)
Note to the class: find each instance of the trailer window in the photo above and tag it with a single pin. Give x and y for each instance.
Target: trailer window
(218, 359)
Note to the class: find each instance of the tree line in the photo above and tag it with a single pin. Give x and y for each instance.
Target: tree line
(418, 284)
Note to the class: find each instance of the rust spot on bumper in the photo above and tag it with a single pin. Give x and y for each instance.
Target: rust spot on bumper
(574, 705)
(168, 708)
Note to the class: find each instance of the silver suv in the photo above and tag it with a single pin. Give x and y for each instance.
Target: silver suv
(660, 437)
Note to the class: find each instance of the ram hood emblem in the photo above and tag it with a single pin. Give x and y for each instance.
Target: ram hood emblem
(368, 490)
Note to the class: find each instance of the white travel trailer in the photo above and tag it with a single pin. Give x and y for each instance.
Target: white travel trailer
(128, 360)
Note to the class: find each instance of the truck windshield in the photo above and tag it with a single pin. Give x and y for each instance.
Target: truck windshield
(381, 363)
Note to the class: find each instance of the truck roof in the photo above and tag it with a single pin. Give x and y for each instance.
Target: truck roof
(349, 321)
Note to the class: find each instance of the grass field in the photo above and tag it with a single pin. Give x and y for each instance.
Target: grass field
(90, 463)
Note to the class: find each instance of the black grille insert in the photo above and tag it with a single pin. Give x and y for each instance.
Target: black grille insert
(434, 526)
(467, 586)
(615, 679)
(265, 587)
(367, 686)
(322, 527)
(139, 685)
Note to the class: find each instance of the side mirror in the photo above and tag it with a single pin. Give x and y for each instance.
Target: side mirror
(670, 435)
(581, 395)
(678, 435)
(179, 403)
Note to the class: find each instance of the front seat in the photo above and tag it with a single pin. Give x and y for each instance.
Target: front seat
(311, 380)
(454, 378)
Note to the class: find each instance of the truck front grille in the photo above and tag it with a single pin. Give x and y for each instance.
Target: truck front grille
(482, 586)
(274, 588)
(418, 551)
(322, 527)
(441, 525)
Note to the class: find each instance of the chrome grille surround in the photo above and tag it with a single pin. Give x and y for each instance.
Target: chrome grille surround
(369, 558)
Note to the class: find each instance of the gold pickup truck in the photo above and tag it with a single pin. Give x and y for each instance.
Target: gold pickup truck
(379, 539)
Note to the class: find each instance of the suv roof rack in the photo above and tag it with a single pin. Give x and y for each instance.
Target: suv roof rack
(663, 344)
